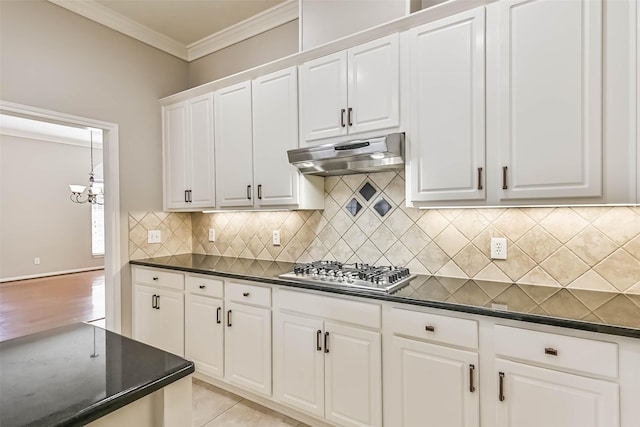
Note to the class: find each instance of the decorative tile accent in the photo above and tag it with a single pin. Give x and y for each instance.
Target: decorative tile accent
(549, 249)
(353, 207)
(367, 191)
(382, 207)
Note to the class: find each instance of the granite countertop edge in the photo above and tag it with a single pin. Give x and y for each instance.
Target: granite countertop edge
(463, 308)
(125, 397)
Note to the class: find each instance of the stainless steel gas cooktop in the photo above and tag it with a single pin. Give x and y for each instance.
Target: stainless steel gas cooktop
(385, 279)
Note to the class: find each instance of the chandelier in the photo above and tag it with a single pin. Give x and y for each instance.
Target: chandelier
(93, 193)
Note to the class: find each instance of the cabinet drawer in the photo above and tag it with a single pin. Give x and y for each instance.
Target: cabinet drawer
(204, 286)
(155, 277)
(561, 351)
(434, 327)
(248, 294)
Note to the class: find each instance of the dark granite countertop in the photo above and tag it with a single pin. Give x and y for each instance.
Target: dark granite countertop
(594, 311)
(75, 374)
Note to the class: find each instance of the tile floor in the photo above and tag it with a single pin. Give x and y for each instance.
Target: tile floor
(213, 407)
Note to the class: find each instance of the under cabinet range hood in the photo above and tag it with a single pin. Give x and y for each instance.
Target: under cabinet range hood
(360, 156)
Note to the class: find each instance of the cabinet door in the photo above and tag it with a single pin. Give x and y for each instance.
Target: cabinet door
(175, 152)
(298, 362)
(159, 318)
(200, 159)
(323, 97)
(546, 99)
(233, 144)
(374, 85)
(275, 130)
(432, 382)
(353, 376)
(447, 147)
(248, 347)
(561, 399)
(203, 340)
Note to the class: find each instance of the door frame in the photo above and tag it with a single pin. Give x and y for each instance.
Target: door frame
(113, 262)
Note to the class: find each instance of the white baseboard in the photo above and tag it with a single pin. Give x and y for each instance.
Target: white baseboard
(54, 273)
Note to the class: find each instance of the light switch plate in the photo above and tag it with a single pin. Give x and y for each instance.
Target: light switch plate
(212, 234)
(276, 238)
(154, 236)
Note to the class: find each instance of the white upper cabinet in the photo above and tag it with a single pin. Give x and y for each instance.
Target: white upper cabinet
(275, 130)
(447, 133)
(233, 141)
(545, 72)
(256, 123)
(352, 91)
(188, 152)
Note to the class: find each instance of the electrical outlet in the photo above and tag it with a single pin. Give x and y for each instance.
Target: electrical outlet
(154, 236)
(498, 306)
(212, 234)
(498, 248)
(36, 260)
(276, 238)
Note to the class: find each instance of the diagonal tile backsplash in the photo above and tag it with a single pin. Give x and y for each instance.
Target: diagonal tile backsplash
(365, 220)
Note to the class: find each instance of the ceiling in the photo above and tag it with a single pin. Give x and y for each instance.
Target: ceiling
(188, 29)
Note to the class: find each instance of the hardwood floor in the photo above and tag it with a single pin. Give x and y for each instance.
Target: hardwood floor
(34, 305)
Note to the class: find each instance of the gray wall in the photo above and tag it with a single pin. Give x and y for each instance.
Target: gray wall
(266, 47)
(57, 60)
(37, 219)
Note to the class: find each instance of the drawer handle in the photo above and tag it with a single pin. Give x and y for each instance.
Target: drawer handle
(155, 278)
(326, 342)
(472, 387)
(229, 318)
(202, 286)
(318, 346)
(551, 351)
(501, 392)
(218, 310)
(342, 111)
(479, 178)
(430, 328)
(504, 178)
(153, 301)
(245, 294)
(349, 111)
(158, 302)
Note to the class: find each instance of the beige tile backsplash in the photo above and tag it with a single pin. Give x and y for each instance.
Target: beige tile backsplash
(595, 248)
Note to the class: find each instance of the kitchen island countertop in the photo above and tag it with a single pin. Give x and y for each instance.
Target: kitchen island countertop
(594, 311)
(75, 374)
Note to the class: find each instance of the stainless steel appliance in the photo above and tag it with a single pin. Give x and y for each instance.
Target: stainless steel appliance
(385, 279)
(344, 158)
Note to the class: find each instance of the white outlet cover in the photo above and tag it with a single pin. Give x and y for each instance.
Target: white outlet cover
(276, 238)
(212, 234)
(498, 248)
(154, 236)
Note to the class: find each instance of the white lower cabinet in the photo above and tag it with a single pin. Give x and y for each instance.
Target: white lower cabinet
(159, 318)
(248, 338)
(324, 367)
(203, 327)
(533, 396)
(432, 385)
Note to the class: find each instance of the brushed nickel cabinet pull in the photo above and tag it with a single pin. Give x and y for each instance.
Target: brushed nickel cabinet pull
(479, 178)
(259, 191)
(186, 196)
(153, 301)
(349, 111)
(551, 351)
(318, 346)
(158, 302)
(501, 391)
(472, 388)
(218, 310)
(229, 318)
(504, 178)
(342, 111)
(245, 294)
(430, 328)
(326, 342)
(249, 192)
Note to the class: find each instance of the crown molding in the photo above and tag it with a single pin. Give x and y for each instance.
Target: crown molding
(267, 20)
(278, 15)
